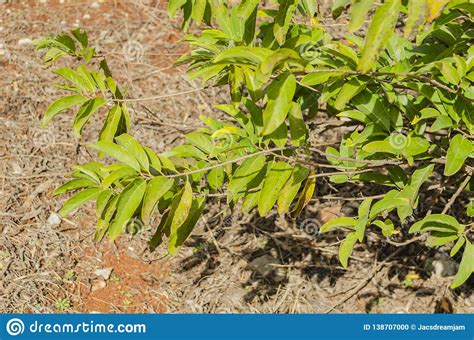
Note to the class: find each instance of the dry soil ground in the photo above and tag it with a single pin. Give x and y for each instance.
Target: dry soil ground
(232, 263)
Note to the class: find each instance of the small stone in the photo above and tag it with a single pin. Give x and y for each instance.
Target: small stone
(104, 273)
(86, 16)
(265, 266)
(25, 42)
(441, 265)
(95, 4)
(54, 219)
(98, 284)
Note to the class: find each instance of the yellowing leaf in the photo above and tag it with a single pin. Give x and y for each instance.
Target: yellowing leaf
(179, 214)
(305, 196)
(416, 15)
(380, 30)
(435, 7)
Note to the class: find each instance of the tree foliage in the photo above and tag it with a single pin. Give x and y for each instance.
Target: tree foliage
(405, 91)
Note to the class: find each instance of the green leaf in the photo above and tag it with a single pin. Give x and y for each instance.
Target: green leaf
(298, 128)
(448, 72)
(81, 36)
(61, 105)
(359, 11)
(387, 204)
(283, 19)
(92, 170)
(346, 248)
(79, 199)
(459, 149)
(410, 191)
(243, 55)
(350, 89)
(426, 113)
(436, 222)
(174, 5)
(73, 185)
(338, 7)
(267, 66)
(101, 202)
(442, 122)
(247, 171)
(200, 140)
(87, 78)
(128, 202)
(338, 223)
(198, 10)
(155, 190)
(363, 218)
(195, 213)
(111, 125)
(466, 267)
(319, 77)
(85, 112)
(118, 152)
(135, 149)
(74, 77)
(387, 227)
(438, 238)
(157, 238)
(215, 178)
(179, 214)
(104, 220)
(355, 115)
(310, 7)
(381, 146)
(291, 188)
(457, 246)
(274, 182)
(380, 30)
(122, 172)
(280, 95)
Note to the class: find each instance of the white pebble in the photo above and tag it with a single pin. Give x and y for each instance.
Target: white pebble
(54, 219)
(86, 16)
(95, 4)
(25, 42)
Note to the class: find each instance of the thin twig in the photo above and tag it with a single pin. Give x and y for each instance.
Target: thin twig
(456, 194)
(170, 95)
